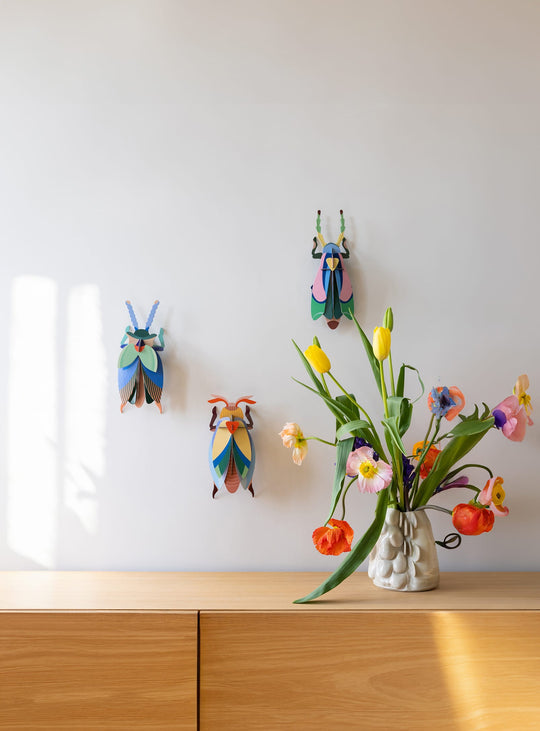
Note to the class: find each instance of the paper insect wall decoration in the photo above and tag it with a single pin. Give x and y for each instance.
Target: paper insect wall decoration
(140, 370)
(232, 454)
(331, 293)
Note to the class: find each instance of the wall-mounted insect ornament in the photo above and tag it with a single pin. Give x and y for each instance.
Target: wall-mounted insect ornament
(231, 454)
(140, 370)
(331, 293)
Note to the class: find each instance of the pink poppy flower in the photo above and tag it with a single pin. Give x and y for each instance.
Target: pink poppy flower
(511, 418)
(373, 474)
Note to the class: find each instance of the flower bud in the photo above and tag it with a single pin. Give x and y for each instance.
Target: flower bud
(317, 359)
(389, 319)
(381, 342)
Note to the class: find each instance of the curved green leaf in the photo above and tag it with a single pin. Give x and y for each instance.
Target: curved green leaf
(374, 363)
(358, 553)
(465, 428)
(351, 427)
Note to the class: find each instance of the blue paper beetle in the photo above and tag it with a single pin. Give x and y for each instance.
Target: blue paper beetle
(140, 370)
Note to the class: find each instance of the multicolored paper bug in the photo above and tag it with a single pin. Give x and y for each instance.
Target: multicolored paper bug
(331, 293)
(232, 454)
(140, 370)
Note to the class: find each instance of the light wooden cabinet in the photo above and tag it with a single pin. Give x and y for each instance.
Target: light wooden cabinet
(231, 651)
(98, 670)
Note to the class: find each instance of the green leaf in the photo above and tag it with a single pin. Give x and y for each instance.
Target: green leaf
(471, 427)
(309, 369)
(340, 413)
(400, 387)
(358, 553)
(454, 451)
(371, 357)
(342, 454)
(402, 409)
(391, 429)
(358, 428)
(349, 406)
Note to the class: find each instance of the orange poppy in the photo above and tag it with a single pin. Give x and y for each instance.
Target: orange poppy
(429, 459)
(334, 538)
(471, 520)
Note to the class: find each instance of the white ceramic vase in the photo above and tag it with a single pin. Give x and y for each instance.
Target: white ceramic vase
(405, 556)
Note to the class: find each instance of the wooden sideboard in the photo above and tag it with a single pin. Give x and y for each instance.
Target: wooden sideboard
(109, 650)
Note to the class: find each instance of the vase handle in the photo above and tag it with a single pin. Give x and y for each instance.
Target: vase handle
(450, 541)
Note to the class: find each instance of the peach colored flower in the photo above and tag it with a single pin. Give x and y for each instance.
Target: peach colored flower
(520, 390)
(334, 538)
(292, 436)
(373, 474)
(493, 496)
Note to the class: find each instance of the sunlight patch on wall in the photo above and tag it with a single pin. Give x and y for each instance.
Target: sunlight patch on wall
(85, 399)
(33, 420)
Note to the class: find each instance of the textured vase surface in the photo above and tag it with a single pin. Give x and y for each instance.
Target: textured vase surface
(405, 556)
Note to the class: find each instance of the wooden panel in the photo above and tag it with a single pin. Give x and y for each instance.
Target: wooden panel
(98, 671)
(266, 591)
(453, 671)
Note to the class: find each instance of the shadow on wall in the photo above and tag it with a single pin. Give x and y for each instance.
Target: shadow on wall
(55, 437)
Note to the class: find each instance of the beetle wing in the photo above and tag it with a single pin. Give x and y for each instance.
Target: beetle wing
(127, 378)
(220, 453)
(149, 358)
(244, 455)
(318, 290)
(127, 356)
(153, 381)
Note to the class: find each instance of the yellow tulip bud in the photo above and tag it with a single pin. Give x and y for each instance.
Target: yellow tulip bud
(381, 342)
(317, 359)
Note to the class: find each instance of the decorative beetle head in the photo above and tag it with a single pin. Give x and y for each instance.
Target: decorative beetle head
(331, 293)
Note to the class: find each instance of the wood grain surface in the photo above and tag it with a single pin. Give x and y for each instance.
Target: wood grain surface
(404, 671)
(98, 671)
(272, 591)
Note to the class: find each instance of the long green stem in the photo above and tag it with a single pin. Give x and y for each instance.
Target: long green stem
(396, 453)
(343, 497)
(323, 441)
(353, 401)
(423, 454)
(383, 389)
(391, 368)
(462, 467)
(325, 385)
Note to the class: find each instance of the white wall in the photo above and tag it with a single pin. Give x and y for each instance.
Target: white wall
(179, 150)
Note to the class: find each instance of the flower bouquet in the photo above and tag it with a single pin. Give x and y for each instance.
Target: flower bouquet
(376, 459)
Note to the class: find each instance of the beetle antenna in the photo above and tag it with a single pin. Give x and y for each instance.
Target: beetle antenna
(216, 399)
(151, 315)
(132, 315)
(341, 237)
(247, 399)
(318, 227)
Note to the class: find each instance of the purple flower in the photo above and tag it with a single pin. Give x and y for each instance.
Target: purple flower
(456, 482)
(359, 442)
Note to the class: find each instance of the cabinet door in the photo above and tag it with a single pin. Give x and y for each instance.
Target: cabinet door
(457, 671)
(121, 670)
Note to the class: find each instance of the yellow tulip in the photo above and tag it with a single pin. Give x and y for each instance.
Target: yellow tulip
(381, 342)
(317, 359)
